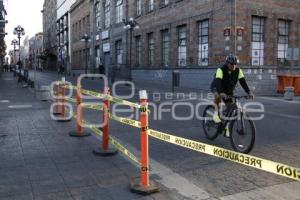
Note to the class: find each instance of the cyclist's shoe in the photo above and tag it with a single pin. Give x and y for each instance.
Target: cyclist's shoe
(217, 118)
(227, 132)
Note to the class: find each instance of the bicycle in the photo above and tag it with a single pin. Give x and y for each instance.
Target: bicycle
(241, 127)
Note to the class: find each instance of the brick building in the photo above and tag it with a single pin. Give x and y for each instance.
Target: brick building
(49, 30)
(195, 36)
(80, 25)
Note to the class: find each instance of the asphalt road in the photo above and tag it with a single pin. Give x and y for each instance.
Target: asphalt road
(277, 139)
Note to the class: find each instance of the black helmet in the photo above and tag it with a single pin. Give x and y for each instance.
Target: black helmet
(232, 59)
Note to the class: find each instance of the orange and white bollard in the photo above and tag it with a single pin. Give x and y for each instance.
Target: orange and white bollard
(105, 150)
(56, 109)
(143, 185)
(63, 80)
(79, 122)
(63, 104)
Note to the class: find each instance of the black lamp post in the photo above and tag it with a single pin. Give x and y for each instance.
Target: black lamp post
(14, 42)
(130, 25)
(86, 39)
(61, 55)
(19, 31)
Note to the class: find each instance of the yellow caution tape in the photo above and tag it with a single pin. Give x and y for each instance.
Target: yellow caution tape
(110, 98)
(93, 94)
(71, 87)
(71, 100)
(122, 101)
(244, 159)
(103, 96)
(117, 144)
(86, 105)
(127, 121)
(94, 107)
(113, 141)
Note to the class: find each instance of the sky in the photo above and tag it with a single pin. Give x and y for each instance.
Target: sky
(26, 13)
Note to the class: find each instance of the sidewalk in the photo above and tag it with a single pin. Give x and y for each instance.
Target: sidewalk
(40, 161)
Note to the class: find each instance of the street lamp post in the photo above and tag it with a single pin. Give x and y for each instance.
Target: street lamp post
(130, 25)
(14, 42)
(86, 39)
(61, 55)
(19, 31)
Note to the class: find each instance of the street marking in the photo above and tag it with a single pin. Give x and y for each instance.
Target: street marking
(8, 79)
(284, 115)
(172, 180)
(277, 192)
(4, 101)
(19, 106)
(282, 100)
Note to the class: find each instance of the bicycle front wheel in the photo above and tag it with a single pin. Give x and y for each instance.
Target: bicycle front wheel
(242, 138)
(209, 126)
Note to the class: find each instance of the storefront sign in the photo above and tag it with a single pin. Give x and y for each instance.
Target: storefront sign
(106, 47)
(105, 35)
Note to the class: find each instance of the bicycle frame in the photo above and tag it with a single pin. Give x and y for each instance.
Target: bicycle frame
(234, 107)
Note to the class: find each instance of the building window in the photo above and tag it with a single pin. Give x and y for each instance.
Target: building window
(83, 23)
(119, 11)
(119, 52)
(138, 44)
(98, 15)
(138, 7)
(258, 24)
(107, 14)
(150, 5)
(203, 43)
(75, 32)
(151, 49)
(165, 47)
(164, 2)
(283, 39)
(73, 35)
(79, 29)
(182, 46)
(97, 55)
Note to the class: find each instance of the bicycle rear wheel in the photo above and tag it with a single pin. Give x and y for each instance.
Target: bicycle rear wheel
(242, 140)
(209, 126)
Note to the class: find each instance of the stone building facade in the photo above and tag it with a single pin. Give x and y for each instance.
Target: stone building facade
(35, 51)
(80, 25)
(49, 30)
(63, 33)
(194, 37)
(3, 22)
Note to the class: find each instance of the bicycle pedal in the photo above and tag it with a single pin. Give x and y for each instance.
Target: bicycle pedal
(226, 135)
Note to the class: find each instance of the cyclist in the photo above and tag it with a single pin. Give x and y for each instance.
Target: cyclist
(224, 83)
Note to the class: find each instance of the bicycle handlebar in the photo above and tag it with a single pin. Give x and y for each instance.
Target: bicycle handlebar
(238, 97)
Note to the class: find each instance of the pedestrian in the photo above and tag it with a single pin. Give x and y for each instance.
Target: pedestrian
(101, 69)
